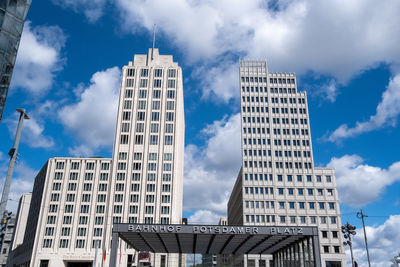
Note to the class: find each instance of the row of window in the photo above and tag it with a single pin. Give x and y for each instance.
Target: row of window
(264, 99)
(290, 219)
(130, 72)
(156, 83)
(274, 110)
(289, 178)
(279, 165)
(271, 80)
(256, 89)
(154, 127)
(289, 191)
(70, 197)
(279, 153)
(64, 243)
(253, 119)
(166, 177)
(156, 104)
(75, 165)
(277, 142)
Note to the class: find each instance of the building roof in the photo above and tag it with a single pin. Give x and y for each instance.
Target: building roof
(211, 239)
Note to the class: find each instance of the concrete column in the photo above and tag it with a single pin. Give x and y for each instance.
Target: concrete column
(114, 250)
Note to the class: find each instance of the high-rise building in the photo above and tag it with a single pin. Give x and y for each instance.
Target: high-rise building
(75, 201)
(149, 145)
(6, 233)
(278, 183)
(12, 18)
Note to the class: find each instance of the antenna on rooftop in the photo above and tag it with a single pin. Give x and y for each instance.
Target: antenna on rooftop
(154, 40)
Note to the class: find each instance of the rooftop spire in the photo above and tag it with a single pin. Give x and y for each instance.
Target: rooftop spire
(154, 40)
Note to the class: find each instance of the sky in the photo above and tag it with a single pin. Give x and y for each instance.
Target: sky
(345, 54)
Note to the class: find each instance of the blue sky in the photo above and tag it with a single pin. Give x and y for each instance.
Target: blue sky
(345, 55)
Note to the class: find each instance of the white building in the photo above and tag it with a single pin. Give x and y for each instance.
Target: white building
(21, 220)
(75, 201)
(278, 184)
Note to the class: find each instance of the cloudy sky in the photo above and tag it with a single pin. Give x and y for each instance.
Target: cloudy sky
(345, 53)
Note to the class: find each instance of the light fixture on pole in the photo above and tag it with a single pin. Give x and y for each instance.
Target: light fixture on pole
(13, 156)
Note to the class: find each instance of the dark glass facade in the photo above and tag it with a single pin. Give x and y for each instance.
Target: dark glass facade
(12, 18)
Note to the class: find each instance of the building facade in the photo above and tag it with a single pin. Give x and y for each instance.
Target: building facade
(6, 233)
(12, 18)
(75, 201)
(278, 183)
(21, 220)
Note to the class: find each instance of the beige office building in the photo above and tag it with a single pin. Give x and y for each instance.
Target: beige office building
(278, 183)
(75, 201)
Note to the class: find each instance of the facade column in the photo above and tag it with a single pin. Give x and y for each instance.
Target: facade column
(114, 248)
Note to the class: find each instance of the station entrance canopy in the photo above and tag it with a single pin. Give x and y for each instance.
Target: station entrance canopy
(290, 246)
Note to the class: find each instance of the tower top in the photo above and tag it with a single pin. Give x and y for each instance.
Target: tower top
(154, 40)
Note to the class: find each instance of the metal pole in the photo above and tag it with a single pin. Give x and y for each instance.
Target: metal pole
(13, 156)
(365, 234)
(351, 251)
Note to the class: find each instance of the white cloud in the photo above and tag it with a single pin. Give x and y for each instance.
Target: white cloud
(93, 9)
(330, 91)
(351, 173)
(22, 181)
(92, 119)
(220, 80)
(32, 132)
(387, 113)
(335, 38)
(211, 171)
(204, 217)
(383, 243)
(38, 58)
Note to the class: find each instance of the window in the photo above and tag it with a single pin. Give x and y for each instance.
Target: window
(156, 105)
(169, 128)
(144, 73)
(74, 165)
(153, 139)
(140, 127)
(47, 243)
(168, 140)
(171, 94)
(158, 73)
(58, 175)
(171, 83)
(141, 104)
(141, 116)
(326, 249)
(98, 220)
(139, 139)
(142, 93)
(90, 166)
(60, 165)
(171, 73)
(64, 243)
(157, 84)
(80, 243)
(154, 128)
(130, 72)
(324, 234)
(170, 116)
(170, 105)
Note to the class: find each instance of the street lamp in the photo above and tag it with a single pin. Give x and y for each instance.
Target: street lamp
(348, 230)
(13, 156)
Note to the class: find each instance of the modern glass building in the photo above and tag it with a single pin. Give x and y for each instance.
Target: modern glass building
(12, 18)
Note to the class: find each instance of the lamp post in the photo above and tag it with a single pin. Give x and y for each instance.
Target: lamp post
(362, 215)
(13, 155)
(348, 230)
